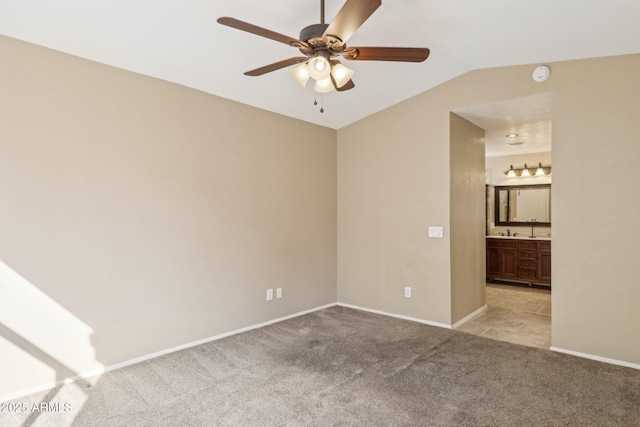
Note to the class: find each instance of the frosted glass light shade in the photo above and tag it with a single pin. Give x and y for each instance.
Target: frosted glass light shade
(323, 86)
(341, 74)
(301, 74)
(319, 68)
(539, 171)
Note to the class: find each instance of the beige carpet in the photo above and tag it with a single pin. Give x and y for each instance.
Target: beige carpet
(343, 367)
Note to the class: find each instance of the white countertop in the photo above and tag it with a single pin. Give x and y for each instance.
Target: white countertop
(519, 238)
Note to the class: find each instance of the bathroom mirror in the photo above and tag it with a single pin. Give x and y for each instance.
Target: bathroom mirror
(520, 204)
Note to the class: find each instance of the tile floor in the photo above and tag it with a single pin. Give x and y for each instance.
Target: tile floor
(516, 314)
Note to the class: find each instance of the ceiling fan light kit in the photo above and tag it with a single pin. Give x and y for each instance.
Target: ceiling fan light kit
(321, 44)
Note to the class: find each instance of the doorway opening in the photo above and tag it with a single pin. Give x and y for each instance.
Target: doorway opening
(518, 245)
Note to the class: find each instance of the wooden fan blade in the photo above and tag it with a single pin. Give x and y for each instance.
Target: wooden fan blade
(254, 29)
(348, 85)
(403, 54)
(350, 18)
(276, 66)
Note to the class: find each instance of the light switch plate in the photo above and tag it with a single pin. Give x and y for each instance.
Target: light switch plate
(435, 232)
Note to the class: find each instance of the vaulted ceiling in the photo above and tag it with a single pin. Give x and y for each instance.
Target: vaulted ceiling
(180, 41)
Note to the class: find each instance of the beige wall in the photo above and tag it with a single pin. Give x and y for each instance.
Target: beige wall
(137, 215)
(468, 266)
(393, 182)
(390, 188)
(596, 296)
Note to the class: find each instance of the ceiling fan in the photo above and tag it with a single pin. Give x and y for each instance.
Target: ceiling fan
(322, 44)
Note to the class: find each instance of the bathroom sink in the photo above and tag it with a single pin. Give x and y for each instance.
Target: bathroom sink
(518, 237)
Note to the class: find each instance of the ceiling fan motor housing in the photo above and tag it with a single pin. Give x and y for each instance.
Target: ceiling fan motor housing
(313, 34)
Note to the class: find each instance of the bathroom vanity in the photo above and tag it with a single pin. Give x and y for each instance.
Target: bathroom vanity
(518, 259)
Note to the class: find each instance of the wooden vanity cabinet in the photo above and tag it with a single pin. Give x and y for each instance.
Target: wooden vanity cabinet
(519, 260)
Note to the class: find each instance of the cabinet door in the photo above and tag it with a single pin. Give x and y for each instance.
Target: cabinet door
(493, 262)
(544, 266)
(509, 267)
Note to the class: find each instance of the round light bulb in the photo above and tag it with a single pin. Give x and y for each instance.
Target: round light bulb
(319, 68)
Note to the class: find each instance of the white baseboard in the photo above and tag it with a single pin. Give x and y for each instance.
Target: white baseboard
(399, 316)
(597, 358)
(101, 371)
(469, 316)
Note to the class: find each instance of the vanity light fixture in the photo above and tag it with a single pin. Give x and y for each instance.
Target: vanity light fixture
(526, 171)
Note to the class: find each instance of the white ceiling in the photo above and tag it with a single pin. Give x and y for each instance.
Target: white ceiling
(529, 118)
(181, 42)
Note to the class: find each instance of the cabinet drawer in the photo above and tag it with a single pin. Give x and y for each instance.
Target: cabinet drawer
(528, 263)
(532, 246)
(527, 255)
(527, 273)
(498, 243)
(544, 246)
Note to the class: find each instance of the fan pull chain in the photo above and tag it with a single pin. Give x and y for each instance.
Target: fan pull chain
(315, 102)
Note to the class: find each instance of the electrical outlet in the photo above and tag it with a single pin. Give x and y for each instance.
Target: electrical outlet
(279, 293)
(269, 294)
(407, 292)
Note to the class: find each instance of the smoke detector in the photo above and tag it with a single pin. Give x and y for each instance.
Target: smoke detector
(541, 73)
